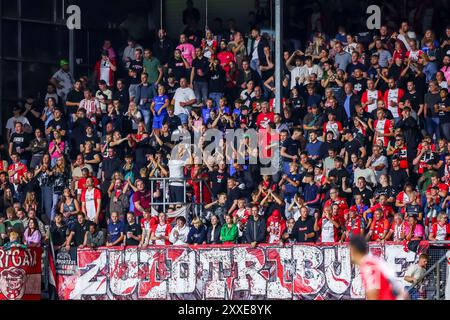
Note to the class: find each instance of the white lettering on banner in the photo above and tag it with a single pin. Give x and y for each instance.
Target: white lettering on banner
(309, 279)
(89, 281)
(183, 277)
(249, 263)
(337, 267)
(213, 267)
(227, 272)
(152, 266)
(396, 257)
(123, 269)
(280, 273)
(357, 289)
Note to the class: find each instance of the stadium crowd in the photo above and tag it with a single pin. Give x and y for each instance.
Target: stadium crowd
(363, 134)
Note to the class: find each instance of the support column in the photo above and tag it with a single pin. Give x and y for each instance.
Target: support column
(279, 4)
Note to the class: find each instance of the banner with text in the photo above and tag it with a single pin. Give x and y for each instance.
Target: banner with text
(20, 274)
(224, 272)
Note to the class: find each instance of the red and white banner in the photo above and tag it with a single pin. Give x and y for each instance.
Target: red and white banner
(223, 272)
(20, 274)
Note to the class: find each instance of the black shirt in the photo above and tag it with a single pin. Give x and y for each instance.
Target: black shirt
(177, 67)
(173, 122)
(303, 227)
(20, 140)
(123, 96)
(339, 173)
(136, 230)
(415, 99)
(233, 194)
(80, 230)
(138, 66)
(218, 181)
(444, 117)
(59, 234)
(60, 124)
(74, 96)
(203, 65)
(353, 147)
(292, 147)
(398, 178)
(216, 80)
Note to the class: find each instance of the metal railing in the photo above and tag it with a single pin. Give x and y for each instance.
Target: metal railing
(431, 286)
(165, 200)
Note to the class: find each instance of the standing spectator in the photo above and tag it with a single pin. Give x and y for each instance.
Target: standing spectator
(153, 67)
(91, 201)
(105, 69)
(132, 231)
(115, 231)
(183, 100)
(255, 231)
(161, 231)
(304, 227)
(63, 79)
(414, 274)
(199, 77)
(214, 231)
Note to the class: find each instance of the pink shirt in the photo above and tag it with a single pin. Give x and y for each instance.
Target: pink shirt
(33, 238)
(187, 51)
(56, 153)
(446, 71)
(418, 231)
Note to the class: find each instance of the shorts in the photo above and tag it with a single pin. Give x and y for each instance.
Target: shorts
(157, 122)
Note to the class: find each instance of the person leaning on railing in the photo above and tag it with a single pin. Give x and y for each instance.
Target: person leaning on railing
(414, 273)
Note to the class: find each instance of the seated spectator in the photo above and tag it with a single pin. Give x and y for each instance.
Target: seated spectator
(354, 225)
(13, 242)
(229, 231)
(397, 230)
(440, 230)
(93, 238)
(379, 227)
(413, 230)
(32, 236)
(197, 233)
(214, 231)
(179, 234)
(77, 232)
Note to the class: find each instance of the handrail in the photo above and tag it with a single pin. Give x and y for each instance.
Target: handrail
(429, 271)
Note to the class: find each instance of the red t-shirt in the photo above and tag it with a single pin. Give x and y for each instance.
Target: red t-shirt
(387, 210)
(144, 199)
(376, 275)
(378, 227)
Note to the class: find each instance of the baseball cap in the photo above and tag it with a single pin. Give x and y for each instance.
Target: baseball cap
(63, 62)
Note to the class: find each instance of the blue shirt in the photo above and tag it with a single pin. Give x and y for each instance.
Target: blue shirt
(347, 105)
(206, 114)
(114, 230)
(159, 102)
(310, 191)
(289, 188)
(314, 149)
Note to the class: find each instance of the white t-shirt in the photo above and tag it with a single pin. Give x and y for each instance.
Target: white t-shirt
(66, 80)
(182, 95)
(255, 50)
(176, 171)
(105, 70)
(372, 95)
(90, 204)
(327, 231)
(11, 121)
(160, 231)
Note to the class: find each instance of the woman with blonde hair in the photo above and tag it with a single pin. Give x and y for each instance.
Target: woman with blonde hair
(30, 201)
(197, 233)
